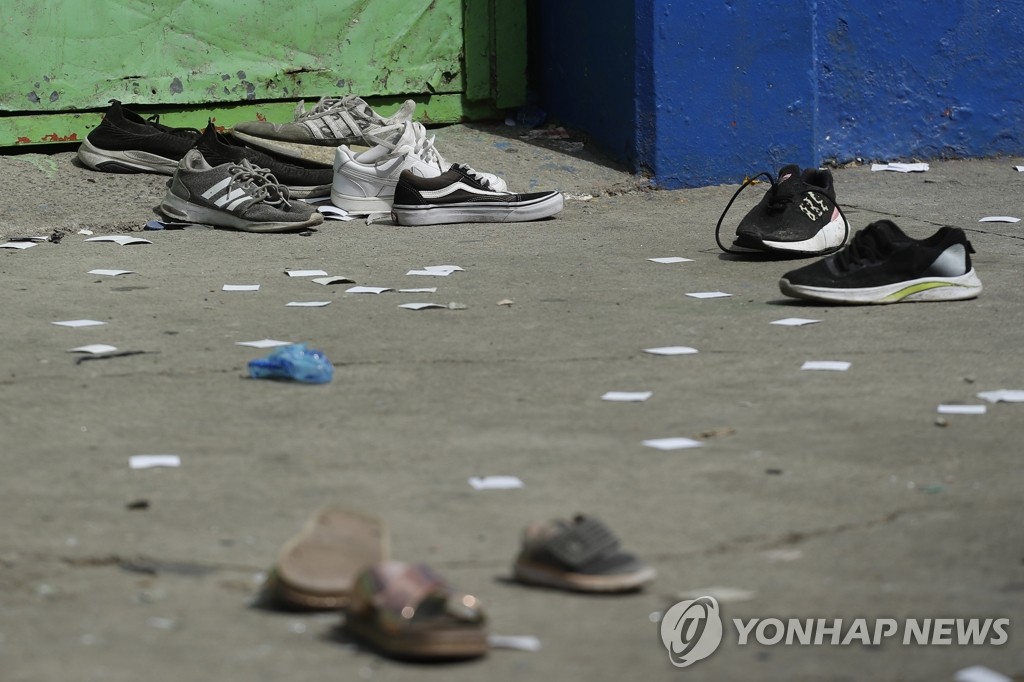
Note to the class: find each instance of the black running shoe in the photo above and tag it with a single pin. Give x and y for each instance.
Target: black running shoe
(462, 195)
(798, 216)
(124, 142)
(883, 265)
(302, 183)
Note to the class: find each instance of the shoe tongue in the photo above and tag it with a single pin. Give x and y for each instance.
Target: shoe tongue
(787, 172)
(887, 230)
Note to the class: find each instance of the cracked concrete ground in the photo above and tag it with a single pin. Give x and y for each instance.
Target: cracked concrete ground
(825, 495)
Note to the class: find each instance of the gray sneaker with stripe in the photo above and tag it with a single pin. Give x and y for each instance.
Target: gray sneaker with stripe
(236, 195)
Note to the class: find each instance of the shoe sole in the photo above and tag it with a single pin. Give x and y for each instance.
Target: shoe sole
(131, 161)
(360, 205)
(518, 212)
(538, 574)
(828, 239)
(177, 208)
(322, 155)
(960, 288)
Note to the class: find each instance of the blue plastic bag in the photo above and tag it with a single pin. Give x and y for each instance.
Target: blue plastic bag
(293, 362)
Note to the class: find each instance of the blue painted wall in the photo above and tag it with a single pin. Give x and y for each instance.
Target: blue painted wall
(720, 89)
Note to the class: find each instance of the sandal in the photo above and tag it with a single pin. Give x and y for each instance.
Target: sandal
(317, 567)
(408, 611)
(582, 555)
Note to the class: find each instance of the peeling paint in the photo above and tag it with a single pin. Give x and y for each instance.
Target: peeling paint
(54, 137)
(176, 88)
(54, 96)
(33, 97)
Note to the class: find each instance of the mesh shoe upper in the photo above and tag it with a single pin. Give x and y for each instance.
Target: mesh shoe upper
(124, 130)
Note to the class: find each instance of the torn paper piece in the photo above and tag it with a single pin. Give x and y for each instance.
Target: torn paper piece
(421, 306)
(495, 482)
(677, 443)
(150, 461)
(999, 219)
(826, 365)
(961, 409)
(367, 290)
(421, 290)
(517, 642)
(1020, 169)
(85, 232)
(671, 259)
(436, 271)
(94, 349)
(264, 343)
(306, 273)
(79, 323)
(506, 302)
(333, 279)
(306, 304)
(794, 321)
(17, 245)
(723, 595)
(121, 239)
(900, 167)
(109, 273)
(671, 350)
(709, 294)
(1003, 395)
(627, 396)
(979, 673)
(240, 287)
(334, 213)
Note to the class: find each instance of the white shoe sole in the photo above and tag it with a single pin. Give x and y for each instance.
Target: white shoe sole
(124, 162)
(177, 208)
(829, 238)
(361, 205)
(924, 289)
(479, 212)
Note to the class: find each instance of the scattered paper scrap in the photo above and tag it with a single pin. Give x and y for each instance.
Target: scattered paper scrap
(307, 304)
(420, 290)
(334, 213)
(1003, 395)
(306, 273)
(724, 595)
(421, 306)
(506, 302)
(444, 268)
(900, 167)
(708, 294)
(434, 271)
(961, 409)
(109, 273)
(1020, 169)
(794, 321)
(671, 350)
(671, 259)
(17, 245)
(979, 673)
(495, 482)
(676, 443)
(94, 349)
(79, 323)
(999, 219)
(85, 232)
(367, 290)
(333, 279)
(455, 305)
(826, 365)
(517, 642)
(121, 239)
(240, 287)
(264, 343)
(627, 396)
(150, 461)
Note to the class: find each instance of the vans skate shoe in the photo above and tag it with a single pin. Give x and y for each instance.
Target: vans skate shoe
(124, 142)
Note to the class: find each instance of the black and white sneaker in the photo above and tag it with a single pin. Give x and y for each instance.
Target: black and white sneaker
(462, 195)
(797, 216)
(236, 195)
(124, 142)
(302, 183)
(883, 265)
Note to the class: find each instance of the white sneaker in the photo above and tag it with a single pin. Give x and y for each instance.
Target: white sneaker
(365, 183)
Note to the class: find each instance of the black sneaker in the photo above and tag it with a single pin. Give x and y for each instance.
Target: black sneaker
(883, 265)
(798, 216)
(462, 195)
(124, 142)
(302, 183)
(237, 195)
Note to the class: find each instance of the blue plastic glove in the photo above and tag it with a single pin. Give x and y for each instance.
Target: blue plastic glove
(293, 362)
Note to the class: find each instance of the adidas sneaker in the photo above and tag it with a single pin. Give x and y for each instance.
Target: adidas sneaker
(236, 195)
(124, 142)
(461, 195)
(882, 264)
(797, 216)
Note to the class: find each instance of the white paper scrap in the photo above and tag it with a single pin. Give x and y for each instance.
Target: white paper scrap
(150, 461)
(708, 294)
(421, 306)
(436, 271)
(264, 343)
(979, 673)
(671, 350)
(1003, 395)
(999, 219)
(85, 232)
(307, 304)
(121, 239)
(335, 213)
(17, 245)
(794, 321)
(444, 268)
(79, 323)
(240, 287)
(333, 279)
(671, 259)
(900, 167)
(367, 290)
(109, 273)
(420, 290)
(94, 349)
(826, 365)
(961, 409)
(306, 273)
(627, 396)
(677, 443)
(495, 482)
(1020, 169)
(722, 594)
(517, 642)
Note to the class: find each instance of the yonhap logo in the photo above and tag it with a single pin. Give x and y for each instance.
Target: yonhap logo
(691, 630)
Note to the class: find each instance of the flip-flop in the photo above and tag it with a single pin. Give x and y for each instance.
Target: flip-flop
(582, 555)
(408, 611)
(317, 568)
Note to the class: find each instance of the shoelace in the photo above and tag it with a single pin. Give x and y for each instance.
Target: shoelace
(484, 179)
(350, 104)
(869, 245)
(259, 183)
